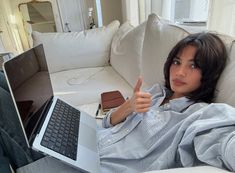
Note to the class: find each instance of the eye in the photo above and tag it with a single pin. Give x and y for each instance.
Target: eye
(175, 62)
(194, 66)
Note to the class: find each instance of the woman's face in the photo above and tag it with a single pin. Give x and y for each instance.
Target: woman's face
(185, 76)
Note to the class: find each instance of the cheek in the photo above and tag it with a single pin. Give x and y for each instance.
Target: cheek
(197, 79)
(171, 71)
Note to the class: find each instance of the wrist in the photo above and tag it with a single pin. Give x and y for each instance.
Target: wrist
(121, 113)
(128, 107)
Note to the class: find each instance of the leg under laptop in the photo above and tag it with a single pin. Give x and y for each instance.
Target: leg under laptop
(12, 143)
(4, 162)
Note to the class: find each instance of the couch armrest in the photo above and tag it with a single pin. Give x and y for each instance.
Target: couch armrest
(64, 51)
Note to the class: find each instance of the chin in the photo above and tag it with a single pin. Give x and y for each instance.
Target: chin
(179, 91)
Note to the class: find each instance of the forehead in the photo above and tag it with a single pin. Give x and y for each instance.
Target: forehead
(187, 52)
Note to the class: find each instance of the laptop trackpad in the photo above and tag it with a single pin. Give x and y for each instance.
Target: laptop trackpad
(87, 137)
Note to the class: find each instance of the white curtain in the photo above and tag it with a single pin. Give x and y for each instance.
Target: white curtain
(222, 16)
(131, 11)
(137, 11)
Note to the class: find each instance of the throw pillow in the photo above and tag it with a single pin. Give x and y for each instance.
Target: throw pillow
(126, 51)
(160, 37)
(90, 48)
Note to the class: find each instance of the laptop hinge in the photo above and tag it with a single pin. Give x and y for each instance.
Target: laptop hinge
(42, 118)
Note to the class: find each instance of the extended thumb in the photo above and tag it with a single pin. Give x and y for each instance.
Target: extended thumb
(138, 85)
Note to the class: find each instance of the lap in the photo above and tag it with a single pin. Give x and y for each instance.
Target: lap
(3, 82)
(12, 139)
(47, 165)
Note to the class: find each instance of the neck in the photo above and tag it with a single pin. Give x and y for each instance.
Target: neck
(175, 96)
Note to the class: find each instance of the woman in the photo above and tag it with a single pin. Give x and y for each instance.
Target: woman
(145, 132)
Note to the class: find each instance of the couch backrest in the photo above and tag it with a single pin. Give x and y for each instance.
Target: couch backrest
(90, 48)
(226, 83)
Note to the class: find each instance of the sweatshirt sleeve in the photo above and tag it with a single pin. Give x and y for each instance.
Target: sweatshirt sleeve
(106, 120)
(216, 147)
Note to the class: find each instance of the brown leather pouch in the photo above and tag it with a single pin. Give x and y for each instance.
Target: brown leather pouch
(111, 99)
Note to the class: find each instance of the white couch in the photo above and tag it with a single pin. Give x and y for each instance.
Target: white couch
(83, 65)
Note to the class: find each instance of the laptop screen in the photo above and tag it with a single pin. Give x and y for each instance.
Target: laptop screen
(30, 86)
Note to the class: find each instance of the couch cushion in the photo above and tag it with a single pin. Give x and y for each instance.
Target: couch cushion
(226, 83)
(160, 38)
(83, 86)
(77, 49)
(126, 51)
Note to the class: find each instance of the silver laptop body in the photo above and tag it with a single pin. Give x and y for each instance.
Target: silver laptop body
(30, 86)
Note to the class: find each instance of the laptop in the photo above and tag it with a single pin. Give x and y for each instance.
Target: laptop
(50, 125)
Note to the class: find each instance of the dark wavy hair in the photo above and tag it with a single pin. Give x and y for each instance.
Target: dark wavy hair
(210, 57)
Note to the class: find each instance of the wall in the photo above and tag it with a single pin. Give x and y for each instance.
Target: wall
(20, 26)
(124, 10)
(46, 27)
(111, 10)
(2, 48)
(74, 16)
(11, 35)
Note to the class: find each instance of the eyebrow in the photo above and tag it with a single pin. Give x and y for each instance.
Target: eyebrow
(178, 58)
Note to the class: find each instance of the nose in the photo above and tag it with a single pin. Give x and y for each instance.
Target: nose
(181, 71)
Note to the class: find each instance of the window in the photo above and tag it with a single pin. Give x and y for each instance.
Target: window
(191, 11)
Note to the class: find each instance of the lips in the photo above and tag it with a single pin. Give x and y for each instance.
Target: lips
(178, 82)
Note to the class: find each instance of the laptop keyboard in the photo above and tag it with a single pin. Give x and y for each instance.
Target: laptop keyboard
(61, 134)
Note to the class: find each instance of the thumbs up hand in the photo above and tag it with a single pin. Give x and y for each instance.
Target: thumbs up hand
(140, 101)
